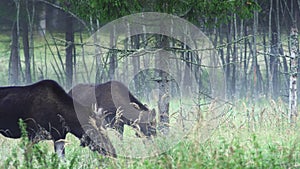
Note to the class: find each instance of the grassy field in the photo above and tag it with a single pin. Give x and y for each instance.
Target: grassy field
(248, 135)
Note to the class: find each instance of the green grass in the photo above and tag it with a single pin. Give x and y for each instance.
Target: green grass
(262, 140)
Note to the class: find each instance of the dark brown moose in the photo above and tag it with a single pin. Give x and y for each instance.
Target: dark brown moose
(48, 113)
(119, 106)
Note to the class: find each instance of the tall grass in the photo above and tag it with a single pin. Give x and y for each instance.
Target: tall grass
(248, 136)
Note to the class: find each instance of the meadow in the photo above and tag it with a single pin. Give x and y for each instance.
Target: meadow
(247, 135)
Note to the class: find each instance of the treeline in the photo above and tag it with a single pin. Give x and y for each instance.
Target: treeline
(45, 39)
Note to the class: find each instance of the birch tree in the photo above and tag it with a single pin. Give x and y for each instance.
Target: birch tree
(293, 75)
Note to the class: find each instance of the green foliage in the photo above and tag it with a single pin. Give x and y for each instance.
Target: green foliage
(103, 10)
(29, 155)
(223, 10)
(235, 144)
(193, 10)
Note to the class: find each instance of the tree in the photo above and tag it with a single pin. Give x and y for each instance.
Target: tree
(293, 75)
(26, 50)
(15, 63)
(69, 35)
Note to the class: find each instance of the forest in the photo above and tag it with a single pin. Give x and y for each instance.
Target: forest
(222, 76)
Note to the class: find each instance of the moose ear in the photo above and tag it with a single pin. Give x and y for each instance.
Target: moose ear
(146, 106)
(135, 105)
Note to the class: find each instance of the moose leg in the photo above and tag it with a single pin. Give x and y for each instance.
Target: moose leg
(59, 147)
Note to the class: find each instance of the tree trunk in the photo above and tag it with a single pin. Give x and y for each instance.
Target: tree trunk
(293, 75)
(234, 58)
(274, 53)
(26, 52)
(164, 98)
(100, 71)
(127, 47)
(86, 70)
(14, 62)
(267, 84)
(30, 17)
(255, 69)
(245, 63)
(186, 73)
(135, 44)
(242, 82)
(228, 65)
(112, 54)
(69, 50)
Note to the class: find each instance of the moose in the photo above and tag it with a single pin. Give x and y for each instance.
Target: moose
(118, 106)
(49, 114)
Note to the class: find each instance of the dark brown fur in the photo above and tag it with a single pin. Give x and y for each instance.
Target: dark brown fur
(109, 97)
(45, 106)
